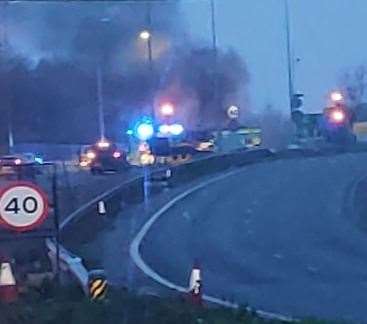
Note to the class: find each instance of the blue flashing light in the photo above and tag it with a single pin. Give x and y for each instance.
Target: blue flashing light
(164, 129)
(38, 159)
(129, 132)
(144, 131)
(176, 129)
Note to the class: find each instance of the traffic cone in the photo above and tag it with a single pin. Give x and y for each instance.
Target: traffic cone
(195, 285)
(8, 286)
(101, 207)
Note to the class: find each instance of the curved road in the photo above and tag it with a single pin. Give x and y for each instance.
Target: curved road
(279, 236)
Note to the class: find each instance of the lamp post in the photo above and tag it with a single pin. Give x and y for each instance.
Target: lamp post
(146, 36)
(3, 50)
(289, 55)
(101, 120)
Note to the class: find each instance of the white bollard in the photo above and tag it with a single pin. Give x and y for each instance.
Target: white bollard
(102, 208)
(195, 285)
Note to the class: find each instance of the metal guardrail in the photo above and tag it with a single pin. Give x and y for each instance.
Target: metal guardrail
(75, 263)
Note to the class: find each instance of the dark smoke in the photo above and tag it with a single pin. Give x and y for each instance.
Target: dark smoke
(48, 69)
(212, 80)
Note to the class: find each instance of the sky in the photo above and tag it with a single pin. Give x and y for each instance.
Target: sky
(327, 36)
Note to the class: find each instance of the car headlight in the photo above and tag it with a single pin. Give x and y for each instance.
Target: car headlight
(146, 159)
(91, 155)
(83, 164)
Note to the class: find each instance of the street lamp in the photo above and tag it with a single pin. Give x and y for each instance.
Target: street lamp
(145, 35)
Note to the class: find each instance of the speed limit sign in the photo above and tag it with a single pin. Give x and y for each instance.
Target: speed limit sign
(23, 206)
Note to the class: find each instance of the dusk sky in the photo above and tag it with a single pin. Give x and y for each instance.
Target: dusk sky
(327, 35)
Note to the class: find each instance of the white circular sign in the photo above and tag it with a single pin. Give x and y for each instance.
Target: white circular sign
(233, 112)
(23, 206)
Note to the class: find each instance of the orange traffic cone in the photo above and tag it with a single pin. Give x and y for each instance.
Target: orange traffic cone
(8, 287)
(195, 285)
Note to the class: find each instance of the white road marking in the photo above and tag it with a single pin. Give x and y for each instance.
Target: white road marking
(312, 269)
(278, 256)
(186, 215)
(148, 271)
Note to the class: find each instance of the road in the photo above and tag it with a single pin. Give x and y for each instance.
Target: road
(279, 236)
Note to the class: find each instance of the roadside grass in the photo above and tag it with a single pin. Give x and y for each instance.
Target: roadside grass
(55, 305)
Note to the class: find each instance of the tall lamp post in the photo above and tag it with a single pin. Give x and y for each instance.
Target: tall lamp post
(146, 36)
(3, 50)
(101, 121)
(213, 26)
(100, 102)
(215, 59)
(289, 56)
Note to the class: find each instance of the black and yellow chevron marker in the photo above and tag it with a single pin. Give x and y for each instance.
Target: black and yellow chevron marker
(97, 288)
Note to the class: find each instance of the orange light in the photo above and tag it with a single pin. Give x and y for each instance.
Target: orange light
(147, 159)
(338, 116)
(103, 144)
(167, 109)
(83, 164)
(91, 155)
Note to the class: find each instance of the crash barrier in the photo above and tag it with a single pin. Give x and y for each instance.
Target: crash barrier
(356, 203)
(49, 151)
(131, 191)
(69, 263)
(218, 163)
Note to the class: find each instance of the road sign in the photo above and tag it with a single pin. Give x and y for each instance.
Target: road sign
(23, 206)
(233, 112)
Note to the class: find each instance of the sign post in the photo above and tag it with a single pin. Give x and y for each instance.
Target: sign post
(56, 220)
(24, 208)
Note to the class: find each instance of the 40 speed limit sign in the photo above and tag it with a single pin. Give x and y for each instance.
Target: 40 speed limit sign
(23, 206)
